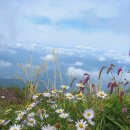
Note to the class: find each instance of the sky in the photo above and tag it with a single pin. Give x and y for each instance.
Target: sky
(87, 33)
(101, 24)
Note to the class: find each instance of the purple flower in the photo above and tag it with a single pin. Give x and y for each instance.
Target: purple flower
(119, 70)
(86, 78)
(124, 110)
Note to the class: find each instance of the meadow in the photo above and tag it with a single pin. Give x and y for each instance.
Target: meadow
(80, 106)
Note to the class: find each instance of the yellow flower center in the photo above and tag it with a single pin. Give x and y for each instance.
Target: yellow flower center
(81, 125)
(65, 87)
(15, 129)
(31, 121)
(79, 95)
(20, 115)
(102, 94)
(60, 110)
(88, 114)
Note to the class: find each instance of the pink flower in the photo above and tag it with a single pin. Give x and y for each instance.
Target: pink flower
(124, 110)
(119, 70)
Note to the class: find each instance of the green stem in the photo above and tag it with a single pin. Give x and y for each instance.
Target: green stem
(113, 121)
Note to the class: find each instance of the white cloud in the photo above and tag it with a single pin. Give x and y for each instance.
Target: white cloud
(78, 72)
(78, 63)
(5, 63)
(75, 72)
(101, 58)
(87, 48)
(120, 58)
(48, 57)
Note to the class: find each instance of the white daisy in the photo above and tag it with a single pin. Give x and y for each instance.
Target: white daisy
(65, 87)
(64, 115)
(54, 92)
(91, 122)
(46, 94)
(45, 115)
(33, 104)
(80, 96)
(20, 116)
(31, 115)
(88, 114)
(31, 122)
(48, 127)
(101, 94)
(54, 106)
(69, 96)
(15, 127)
(81, 125)
(80, 85)
(35, 97)
(2, 97)
(59, 110)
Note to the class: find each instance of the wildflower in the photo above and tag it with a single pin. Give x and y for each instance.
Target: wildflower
(35, 97)
(69, 96)
(48, 127)
(80, 85)
(119, 70)
(86, 78)
(59, 111)
(60, 91)
(91, 122)
(70, 120)
(58, 125)
(54, 106)
(32, 105)
(65, 87)
(80, 96)
(31, 115)
(46, 115)
(54, 92)
(15, 127)
(124, 110)
(64, 115)
(101, 94)
(31, 122)
(112, 85)
(2, 97)
(1, 121)
(51, 102)
(81, 125)
(101, 71)
(41, 116)
(88, 114)
(20, 116)
(46, 94)
(71, 126)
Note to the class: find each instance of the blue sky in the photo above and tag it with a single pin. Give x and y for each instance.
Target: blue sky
(87, 33)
